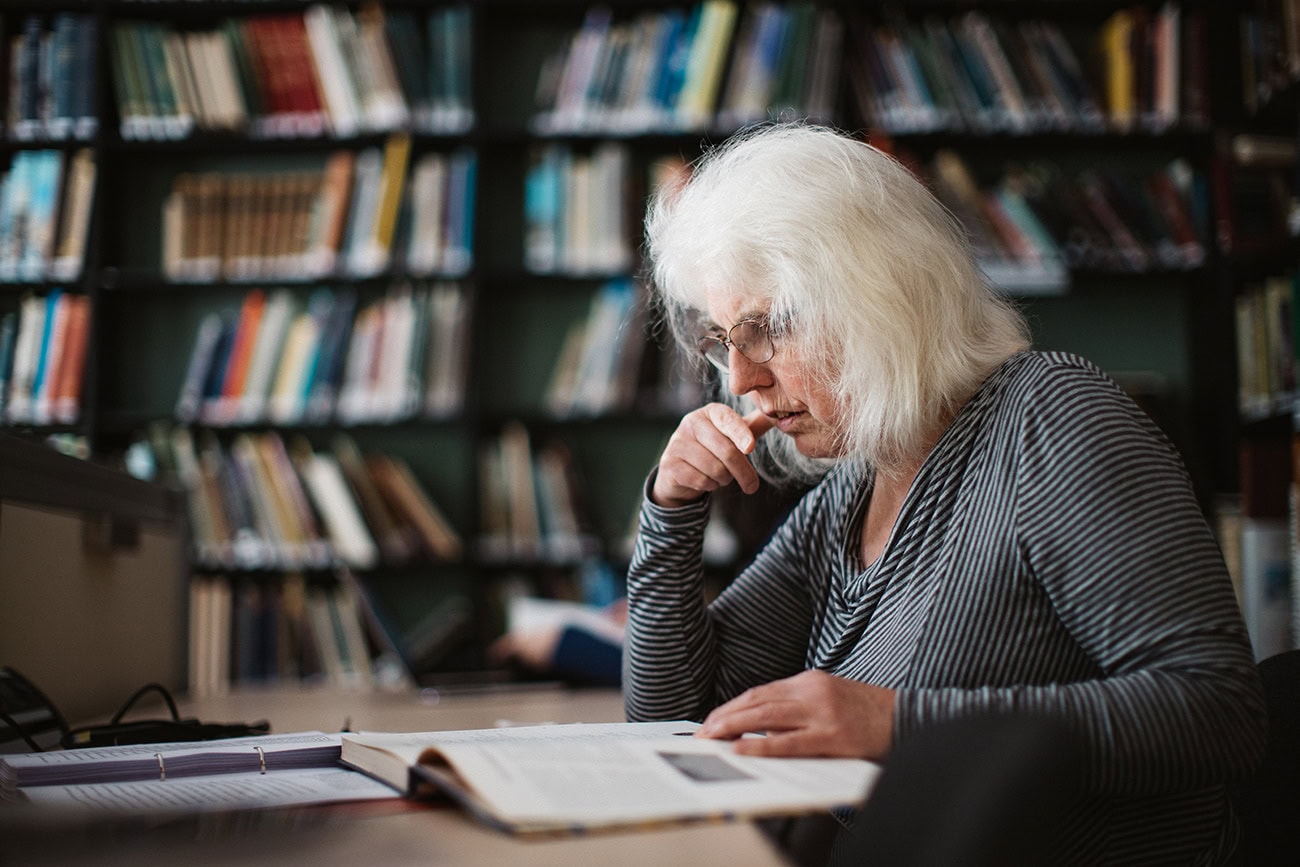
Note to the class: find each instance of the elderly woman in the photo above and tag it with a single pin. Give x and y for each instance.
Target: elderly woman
(994, 530)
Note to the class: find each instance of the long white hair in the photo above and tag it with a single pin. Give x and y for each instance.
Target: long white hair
(856, 262)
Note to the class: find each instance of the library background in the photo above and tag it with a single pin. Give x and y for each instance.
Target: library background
(362, 278)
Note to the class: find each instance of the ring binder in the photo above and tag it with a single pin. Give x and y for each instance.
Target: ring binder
(162, 768)
(261, 756)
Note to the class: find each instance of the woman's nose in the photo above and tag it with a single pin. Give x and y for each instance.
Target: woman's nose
(745, 375)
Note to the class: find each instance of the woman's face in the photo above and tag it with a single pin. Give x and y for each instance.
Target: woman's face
(783, 388)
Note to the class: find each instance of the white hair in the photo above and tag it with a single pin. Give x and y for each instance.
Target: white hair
(863, 272)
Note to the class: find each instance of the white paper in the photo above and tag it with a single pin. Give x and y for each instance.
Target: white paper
(220, 791)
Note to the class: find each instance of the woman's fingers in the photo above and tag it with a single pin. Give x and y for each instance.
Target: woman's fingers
(709, 450)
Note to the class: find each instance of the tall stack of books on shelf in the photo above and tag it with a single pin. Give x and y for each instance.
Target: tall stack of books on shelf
(357, 215)
(1037, 221)
(45, 205)
(599, 367)
(575, 211)
(980, 73)
(330, 358)
(53, 68)
(1269, 42)
(326, 70)
(665, 69)
(258, 503)
(43, 358)
(1266, 346)
(294, 629)
(531, 508)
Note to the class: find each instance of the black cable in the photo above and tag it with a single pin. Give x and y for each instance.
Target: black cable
(22, 732)
(148, 687)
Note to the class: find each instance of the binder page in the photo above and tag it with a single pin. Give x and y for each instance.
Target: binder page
(221, 791)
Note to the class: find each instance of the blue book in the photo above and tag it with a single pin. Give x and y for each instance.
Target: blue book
(45, 360)
(46, 170)
(8, 340)
(327, 373)
(464, 174)
(216, 372)
(675, 52)
(86, 79)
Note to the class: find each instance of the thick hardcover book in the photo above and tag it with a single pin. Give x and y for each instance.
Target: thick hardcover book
(572, 778)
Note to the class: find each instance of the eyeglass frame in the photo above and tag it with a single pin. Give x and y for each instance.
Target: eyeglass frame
(707, 341)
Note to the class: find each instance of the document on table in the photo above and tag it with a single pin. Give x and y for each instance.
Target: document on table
(219, 792)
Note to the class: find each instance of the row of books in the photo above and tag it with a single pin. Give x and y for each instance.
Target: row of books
(1257, 195)
(326, 70)
(43, 358)
(598, 369)
(665, 69)
(1266, 346)
(52, 77)
(359, 215)
(531, 502)
(330, 358)
(293, 629)
(981, 73)
(786, 60)
(1038, 221)
(576, 210)
(46, 198)
(1269, 36)
(257, 503)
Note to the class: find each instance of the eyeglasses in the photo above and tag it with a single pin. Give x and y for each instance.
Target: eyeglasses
(751, 339)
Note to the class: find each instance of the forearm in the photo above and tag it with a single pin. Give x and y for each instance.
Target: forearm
(667, 660)
(1145, 732)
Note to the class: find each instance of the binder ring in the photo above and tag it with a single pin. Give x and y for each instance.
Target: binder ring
(261, 756)
(162, 768)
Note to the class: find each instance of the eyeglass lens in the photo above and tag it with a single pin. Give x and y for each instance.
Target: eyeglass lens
(750, 339)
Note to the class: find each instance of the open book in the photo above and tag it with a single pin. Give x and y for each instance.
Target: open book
(554, 778)
(270, 770)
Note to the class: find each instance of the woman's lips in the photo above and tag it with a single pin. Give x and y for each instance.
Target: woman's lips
(786, 421)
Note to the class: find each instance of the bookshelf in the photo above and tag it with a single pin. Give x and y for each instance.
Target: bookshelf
(462, 212)
(1259, 141)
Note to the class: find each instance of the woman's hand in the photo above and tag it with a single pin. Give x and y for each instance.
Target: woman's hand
(810, 714)
(709, 450)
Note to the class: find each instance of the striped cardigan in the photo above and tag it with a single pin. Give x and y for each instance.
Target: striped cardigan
(1050, 556)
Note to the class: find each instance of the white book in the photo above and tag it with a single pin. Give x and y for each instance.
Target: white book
(276, 319)
(361, 255)
(189, 108)
(576, 253)
(448, 350)
(329, 490)
(385, 104)
(288, 392)
(217, 54)
(428, 223)
(332, 71)
(610, 247)
(27, 351)
(394, 350)
(356, 391)
(74, 217)
(1265, 584)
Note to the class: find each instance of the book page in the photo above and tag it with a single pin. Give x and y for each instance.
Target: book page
(223, 791)
(606, 781)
